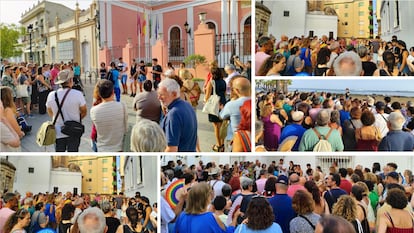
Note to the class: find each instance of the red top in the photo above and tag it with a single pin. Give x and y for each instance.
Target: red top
(394, 229)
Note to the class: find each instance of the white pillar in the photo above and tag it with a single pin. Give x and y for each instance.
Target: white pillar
(107, 23)
(224, 17)
(191, 24)
(234, 17)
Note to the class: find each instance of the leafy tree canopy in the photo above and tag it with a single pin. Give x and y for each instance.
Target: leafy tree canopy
(9, 35)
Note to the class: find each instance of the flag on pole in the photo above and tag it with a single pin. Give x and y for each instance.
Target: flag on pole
(157, 27)
(138, 25)
(144, 25)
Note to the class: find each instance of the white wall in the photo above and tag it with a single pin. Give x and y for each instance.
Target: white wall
(321, 25)
(65, 181)
(405, 32)
(150, 180)
(34, 182)
(294, 25)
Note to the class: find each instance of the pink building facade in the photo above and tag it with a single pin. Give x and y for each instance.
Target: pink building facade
(135, 27)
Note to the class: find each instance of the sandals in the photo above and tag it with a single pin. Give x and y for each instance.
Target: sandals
(218, 148)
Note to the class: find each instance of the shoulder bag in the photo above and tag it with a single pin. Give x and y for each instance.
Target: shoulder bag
(213, 103)
(70, 128)
(46, 135)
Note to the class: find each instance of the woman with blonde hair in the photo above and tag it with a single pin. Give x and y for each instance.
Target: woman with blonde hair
(10, 109)
(346, 207)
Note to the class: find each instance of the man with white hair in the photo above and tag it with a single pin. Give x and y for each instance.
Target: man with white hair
(396, 139)
(334, 47)
(92, 220)
(180, 121)
(310, 137)
(348, 64)
(231, 73)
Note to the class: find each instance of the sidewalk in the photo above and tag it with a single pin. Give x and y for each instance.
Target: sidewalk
(28, 143)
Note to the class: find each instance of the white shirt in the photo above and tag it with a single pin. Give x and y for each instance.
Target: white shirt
(70, 108)
(381, 123)
(124, 68)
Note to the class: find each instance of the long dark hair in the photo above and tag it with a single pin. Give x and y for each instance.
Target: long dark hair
(389, 61)
(14, 218)
(132, 215)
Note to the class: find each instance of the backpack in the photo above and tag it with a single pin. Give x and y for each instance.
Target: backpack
(323, 145)
(110, 77)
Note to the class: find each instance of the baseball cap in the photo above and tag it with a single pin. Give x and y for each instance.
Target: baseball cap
(282, 179)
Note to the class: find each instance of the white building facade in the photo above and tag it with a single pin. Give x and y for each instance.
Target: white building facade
(396, 19)
(292, 18)
(141, 175)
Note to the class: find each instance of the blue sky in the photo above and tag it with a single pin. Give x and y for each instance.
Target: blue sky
(356, 84)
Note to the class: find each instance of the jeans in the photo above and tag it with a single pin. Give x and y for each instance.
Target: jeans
(117, 91)
(69, 144)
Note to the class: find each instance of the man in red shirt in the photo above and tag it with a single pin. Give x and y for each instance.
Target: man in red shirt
(345, 184)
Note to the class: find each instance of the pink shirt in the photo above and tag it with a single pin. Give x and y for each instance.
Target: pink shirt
(260, 57)
(293, 188)
(260, 183)
(4, 215)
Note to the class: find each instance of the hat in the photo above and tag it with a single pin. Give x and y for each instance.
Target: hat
(297, 116)
(78, 201)
(394, 175)
(380, 105)
(64, 76)
(282, 179)
(370, 101)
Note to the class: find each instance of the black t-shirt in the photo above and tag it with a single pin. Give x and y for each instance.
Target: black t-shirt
(369, 68)
(112, 223)
(154, 75)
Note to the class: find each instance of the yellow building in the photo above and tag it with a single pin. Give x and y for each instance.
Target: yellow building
(354, 17)
(97, 173)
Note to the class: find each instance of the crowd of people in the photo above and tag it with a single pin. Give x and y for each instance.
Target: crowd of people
(276, 197)
(313, 56)
(59, 93)
(69, 213)
(332, 122)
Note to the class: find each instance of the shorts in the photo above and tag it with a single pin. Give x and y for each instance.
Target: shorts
(26, 100)
(124, 78)
(141, 78)
(131, 80)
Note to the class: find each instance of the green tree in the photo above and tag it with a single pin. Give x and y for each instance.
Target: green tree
(195, 60)
(9, 35)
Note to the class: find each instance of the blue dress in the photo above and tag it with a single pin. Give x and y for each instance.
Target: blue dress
(205, 223)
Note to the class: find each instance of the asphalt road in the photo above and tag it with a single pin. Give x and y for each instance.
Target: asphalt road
(28, 143)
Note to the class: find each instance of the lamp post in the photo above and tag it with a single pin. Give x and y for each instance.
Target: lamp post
(187, 28)
(29, 29)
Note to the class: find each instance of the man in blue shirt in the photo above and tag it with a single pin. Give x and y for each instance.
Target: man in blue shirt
(114, 76)
(294, 129)
(282, 204)
(180, 121)
(396, 139)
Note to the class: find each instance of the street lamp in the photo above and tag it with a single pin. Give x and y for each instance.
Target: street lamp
(29, 29)
(187, 28)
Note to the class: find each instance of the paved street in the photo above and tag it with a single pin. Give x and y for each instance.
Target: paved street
(205, 129)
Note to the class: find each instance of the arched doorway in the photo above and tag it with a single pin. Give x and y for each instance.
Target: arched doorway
(247, 36)
(175, 42)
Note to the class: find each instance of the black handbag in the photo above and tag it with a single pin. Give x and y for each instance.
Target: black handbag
(70, 128)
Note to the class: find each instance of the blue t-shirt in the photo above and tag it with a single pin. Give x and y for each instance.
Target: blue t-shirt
(77, 70)
(180, 126)
(283, 211)
(397, 141)
(274, 228)
(232, 111)
(205, 223)
(343, 116)
(293, 130)
(331, 196)
(115, 75)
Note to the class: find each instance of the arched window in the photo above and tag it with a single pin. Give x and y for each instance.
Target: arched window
(175, 42)
(247, 38)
